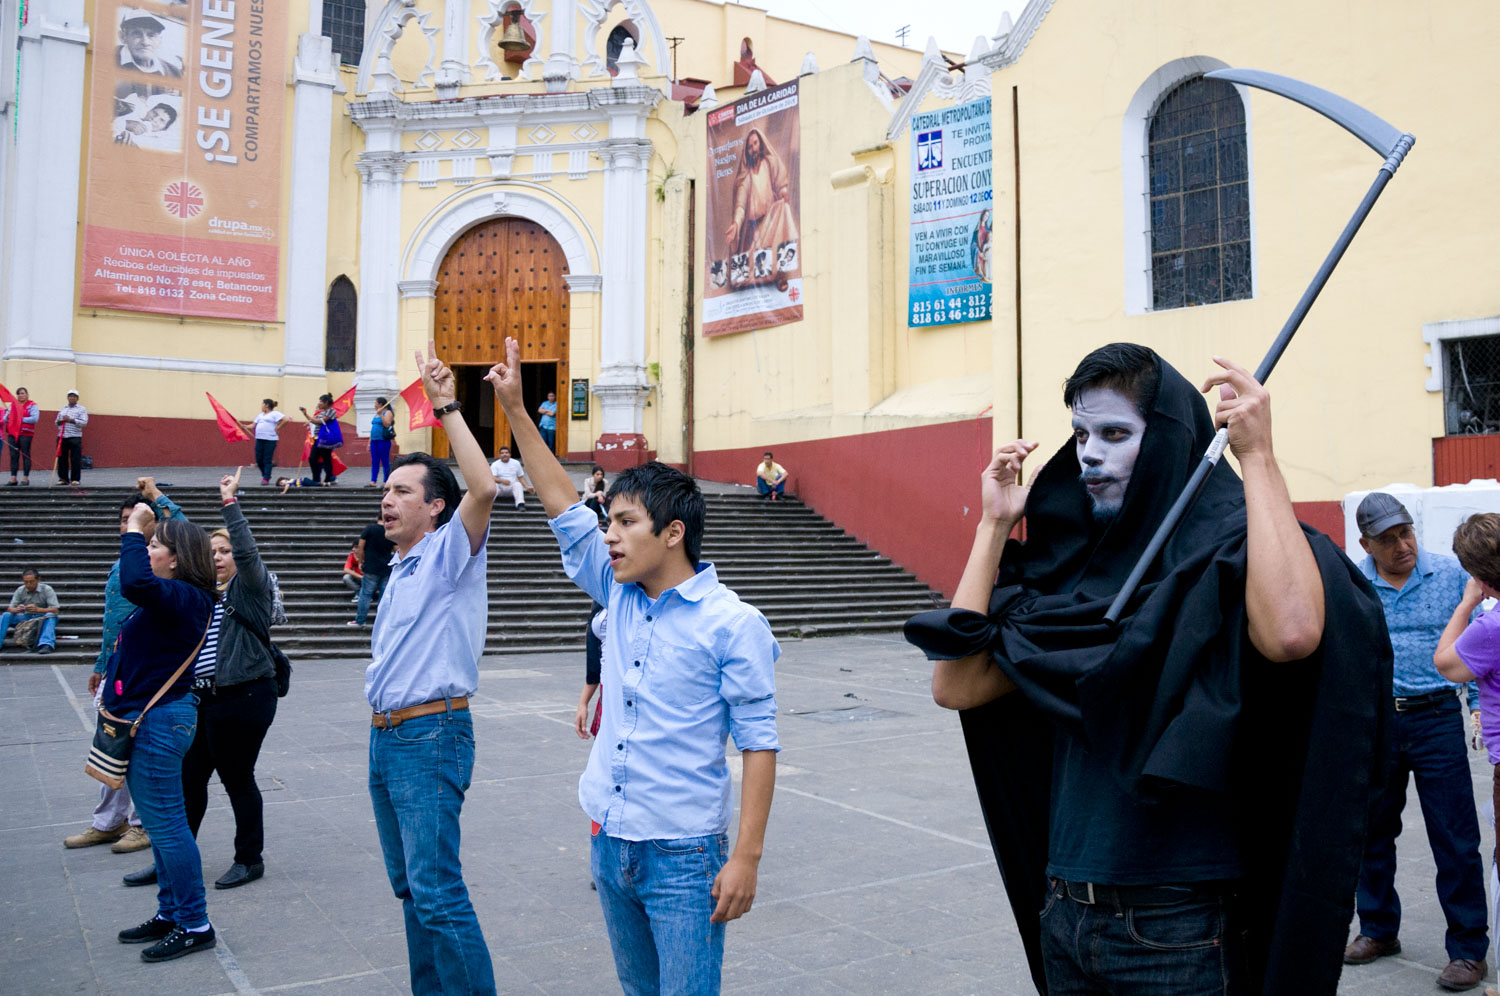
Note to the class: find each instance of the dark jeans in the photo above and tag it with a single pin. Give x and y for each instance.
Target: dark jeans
(70, 459)
(380, 459)
(766, 488)
(419, 772)
(265, 457)
(1195, 947)
(371, 587)
(155, 780)
(232, 722)
(20, 454)
(320, 462)
(549, 436)
(1428, 741)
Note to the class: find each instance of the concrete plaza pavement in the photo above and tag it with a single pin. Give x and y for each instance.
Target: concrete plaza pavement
(877, 876)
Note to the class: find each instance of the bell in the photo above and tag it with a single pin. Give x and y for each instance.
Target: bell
(513, 39)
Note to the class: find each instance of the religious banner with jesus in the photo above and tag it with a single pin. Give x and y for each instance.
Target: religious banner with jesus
(183, 201)
(754, 213)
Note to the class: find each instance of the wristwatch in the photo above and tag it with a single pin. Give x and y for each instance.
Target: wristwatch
(452, 406)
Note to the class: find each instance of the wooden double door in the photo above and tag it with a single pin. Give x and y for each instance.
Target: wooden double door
(503, 277)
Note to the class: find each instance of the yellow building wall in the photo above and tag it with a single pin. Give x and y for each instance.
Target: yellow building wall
(1350, 405)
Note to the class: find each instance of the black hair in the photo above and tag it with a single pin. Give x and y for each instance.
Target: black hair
(667, 495)
(325, 399)
(437, 482)
(595, 469)
(20, 389)
(171, 111)
(132, 500)
(30, 572)
(768, 452)
(268, 401)
(1121, 366)
(382, 402)
(195, 559)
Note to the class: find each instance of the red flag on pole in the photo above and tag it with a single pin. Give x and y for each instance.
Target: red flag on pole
(344, 402)
(14, 414)
(227, 424)
(419, 405)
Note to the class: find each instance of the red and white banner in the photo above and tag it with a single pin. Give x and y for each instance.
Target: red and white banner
(184, 176)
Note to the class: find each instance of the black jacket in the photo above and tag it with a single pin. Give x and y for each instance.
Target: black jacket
(242, 657)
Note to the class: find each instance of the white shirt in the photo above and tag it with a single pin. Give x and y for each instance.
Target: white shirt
(507, 470)
(266, 423)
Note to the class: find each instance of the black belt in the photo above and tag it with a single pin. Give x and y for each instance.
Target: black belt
(1091, 893)
(1410, 703)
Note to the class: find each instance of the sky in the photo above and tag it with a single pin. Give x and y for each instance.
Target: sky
(953, 24)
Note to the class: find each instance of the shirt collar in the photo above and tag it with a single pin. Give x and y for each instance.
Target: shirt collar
(705, 580)
(415, 551)
(1424, 569)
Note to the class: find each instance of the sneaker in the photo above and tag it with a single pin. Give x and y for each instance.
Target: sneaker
(178, 943)
(239, 875)
(134, 839)
(93, 836)
(153, 929)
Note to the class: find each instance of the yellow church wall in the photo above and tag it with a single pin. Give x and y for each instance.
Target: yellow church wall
(1349, 398)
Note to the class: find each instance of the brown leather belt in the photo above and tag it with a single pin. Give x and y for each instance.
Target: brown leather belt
(380, 721)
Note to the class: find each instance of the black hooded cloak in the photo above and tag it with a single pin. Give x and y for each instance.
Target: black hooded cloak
(1176, 695)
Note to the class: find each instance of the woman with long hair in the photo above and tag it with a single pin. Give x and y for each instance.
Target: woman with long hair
(171, 583)
(382, 432)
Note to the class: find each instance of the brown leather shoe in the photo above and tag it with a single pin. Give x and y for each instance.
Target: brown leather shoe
(93, 836)
(1462, 974)
(1363, 950)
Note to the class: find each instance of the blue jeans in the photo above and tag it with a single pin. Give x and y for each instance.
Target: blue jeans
(765, 488)
(657, 903)
(265, 457)
(155, 780)
(380, 459)
(549, 436)
(419, 772)
(1429, 743)
(1194, 947)
(371, 588)
(48, 637)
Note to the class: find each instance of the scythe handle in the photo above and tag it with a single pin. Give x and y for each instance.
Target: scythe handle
(1262, 372)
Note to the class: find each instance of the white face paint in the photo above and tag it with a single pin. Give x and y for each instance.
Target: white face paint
(1107, 432)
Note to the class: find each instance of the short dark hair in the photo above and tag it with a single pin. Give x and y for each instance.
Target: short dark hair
(30, 572)
(132, 500)
(1120, 366)
(195, 558)
(667, 495)
(171, 111)
(1476, 544)
(768, 452)
(437, 482)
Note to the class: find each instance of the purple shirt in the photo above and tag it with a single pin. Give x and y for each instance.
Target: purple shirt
(1479, 648)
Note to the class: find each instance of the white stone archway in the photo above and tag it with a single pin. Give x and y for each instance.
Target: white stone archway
(431, 242)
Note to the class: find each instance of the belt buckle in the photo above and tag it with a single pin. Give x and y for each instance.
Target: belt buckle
(1401, 703)
(1087, 898)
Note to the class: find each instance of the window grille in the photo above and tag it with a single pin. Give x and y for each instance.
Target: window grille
(339, 332)
(1200, 196)
(1471, 392)
(344, 22)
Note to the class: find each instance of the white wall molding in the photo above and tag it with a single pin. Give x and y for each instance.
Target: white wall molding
(584, 283)
(425, 252)
(225, 367)
(417, 288)
(1135, 205)
(1436, 333)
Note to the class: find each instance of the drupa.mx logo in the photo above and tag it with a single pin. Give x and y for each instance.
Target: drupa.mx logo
(183, 198)
(930, 150)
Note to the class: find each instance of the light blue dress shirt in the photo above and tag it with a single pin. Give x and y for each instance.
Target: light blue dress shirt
(1415, 615)
(681, 672)
(429, 631)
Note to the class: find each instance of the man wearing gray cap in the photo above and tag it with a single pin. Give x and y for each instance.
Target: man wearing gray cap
(70, 422)
(140, 42)
(1419, 591)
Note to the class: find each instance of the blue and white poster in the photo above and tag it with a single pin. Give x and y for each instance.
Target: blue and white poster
(952, 190)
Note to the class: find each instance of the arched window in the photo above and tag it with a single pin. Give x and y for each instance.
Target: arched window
(615, 44)
(1199, 195)
(338, 334)
(344, 22)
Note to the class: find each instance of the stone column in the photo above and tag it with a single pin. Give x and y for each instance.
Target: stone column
(622, 386)
(39, 289)
(379, 270)
(454, 70)
(315, 78)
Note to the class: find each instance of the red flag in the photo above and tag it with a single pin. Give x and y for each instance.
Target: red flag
(343, 402)
(227, 424)
(14, 415)
(421, 408)
(339, 466)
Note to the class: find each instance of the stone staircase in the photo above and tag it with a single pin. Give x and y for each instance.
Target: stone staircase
(802, 571)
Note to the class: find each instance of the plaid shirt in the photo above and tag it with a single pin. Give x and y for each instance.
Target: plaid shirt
(80, 417)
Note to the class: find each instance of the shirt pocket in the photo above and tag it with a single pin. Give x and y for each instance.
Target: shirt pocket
(684, 677)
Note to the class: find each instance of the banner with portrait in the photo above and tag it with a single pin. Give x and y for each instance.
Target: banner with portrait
(183, 199)
(754, 213)
(952, 194)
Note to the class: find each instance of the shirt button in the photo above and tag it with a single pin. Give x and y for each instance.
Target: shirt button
(637, 663)
(629, 702)
(648, 618)
(619, 746)
(617, 788)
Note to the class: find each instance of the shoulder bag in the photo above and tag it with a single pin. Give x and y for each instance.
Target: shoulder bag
(109, 755)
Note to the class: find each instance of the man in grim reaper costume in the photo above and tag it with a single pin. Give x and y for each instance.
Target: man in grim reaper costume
(1177, 802)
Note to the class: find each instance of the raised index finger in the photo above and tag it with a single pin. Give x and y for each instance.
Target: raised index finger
(1234, 375)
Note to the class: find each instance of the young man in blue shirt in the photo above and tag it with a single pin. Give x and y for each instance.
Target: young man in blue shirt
(686, 664)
